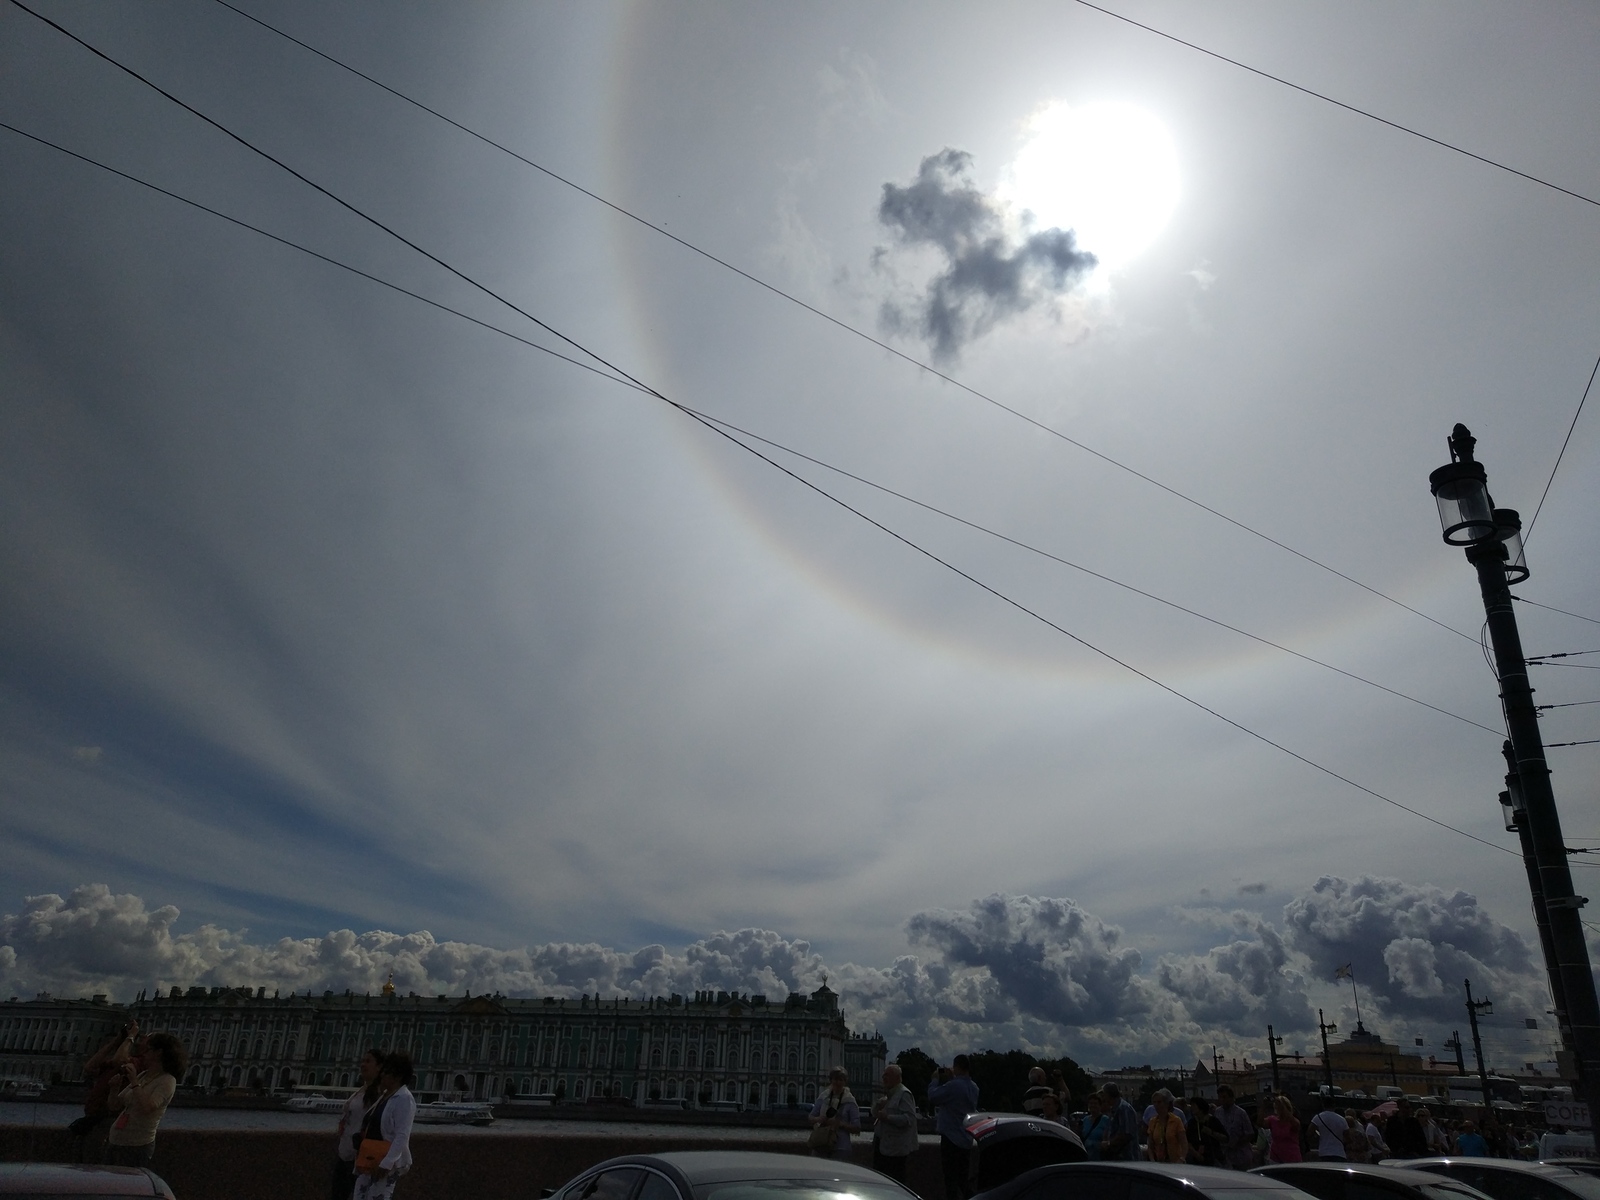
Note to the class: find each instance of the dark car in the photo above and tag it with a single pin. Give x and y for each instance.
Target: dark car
(1007, 1144)
(728, 1175)
(1139, 1181)
(68, 1180)
(1509, 1178)
(1368, 1181)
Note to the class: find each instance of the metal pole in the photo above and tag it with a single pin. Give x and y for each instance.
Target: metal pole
(1272, 1049)
(1455, 1044)
(1562, 907)
(1541, 914)
(1477, 1046)
(1327, 1063)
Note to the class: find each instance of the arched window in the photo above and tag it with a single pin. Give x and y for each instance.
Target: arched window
(755, 1095)
(811, 1092)
(344, 1079)
(261, 1047)
(524, 1086)
(811, 1063)
(193, 1077)
(577, 1090)
(672, 1089)
(711, 1058)
(549, 1057)
(731, 1092)
(544, 1087)
(672, 1057)
(655, 1057)
(772, 1093)
(691, 1061)
(233, 1077)
(772, 1061)
(793, 1096)
(583, 1056)
(794, 1060)
(327, 1079)
(277, 1047)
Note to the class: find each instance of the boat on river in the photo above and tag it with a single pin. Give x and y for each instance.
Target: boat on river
(315, 1103)
(455, 1112)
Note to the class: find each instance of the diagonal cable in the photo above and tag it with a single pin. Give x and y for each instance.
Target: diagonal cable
(1582, 400)
(835, 321)
(909, 499)
(1360, 112)
(621, 375)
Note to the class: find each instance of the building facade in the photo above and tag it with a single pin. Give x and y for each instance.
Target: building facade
(719, 1049)
(47, 1040)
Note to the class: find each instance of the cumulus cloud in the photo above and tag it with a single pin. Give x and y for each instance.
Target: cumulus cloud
(1242, 985)
(1041, 973)
(1412, 945)
(984, 274)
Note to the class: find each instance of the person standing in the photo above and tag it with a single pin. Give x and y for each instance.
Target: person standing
(954, 1095)
(1283, 1128)
(1470, 1143)
(103, 1072)
(388, 1128)
(836, 1111)
(1330, 1128)
(1357, 1145)
(1038, 1089)
(142, 1098)
(1238, 1154)
(347, 1138)
(1165, 1139)
(1096, 1124)
(1122, 1138)
(1052, 1110)
(894, 1126)
(1404, 1134)
(1207, 1138)
(1433, 1137)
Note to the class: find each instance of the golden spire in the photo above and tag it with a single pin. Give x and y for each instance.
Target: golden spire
(388, 988)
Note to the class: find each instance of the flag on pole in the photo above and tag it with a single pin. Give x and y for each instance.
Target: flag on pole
(1344, 972)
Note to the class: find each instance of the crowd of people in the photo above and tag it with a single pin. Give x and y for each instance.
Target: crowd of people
(1193, 1129)
(133, 1077)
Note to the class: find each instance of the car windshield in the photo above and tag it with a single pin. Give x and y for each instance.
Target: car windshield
(801, 1189)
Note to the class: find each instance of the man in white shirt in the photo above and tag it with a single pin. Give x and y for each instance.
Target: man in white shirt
(1329, 1127)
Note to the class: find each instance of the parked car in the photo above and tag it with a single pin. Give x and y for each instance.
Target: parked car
(1007, 1144)
(1368, 1181)
(75, 1180)
(1139, 1181)
(728, 1175)
(1509, 1178)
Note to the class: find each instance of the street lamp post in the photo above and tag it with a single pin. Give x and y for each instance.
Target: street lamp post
(1492, 538)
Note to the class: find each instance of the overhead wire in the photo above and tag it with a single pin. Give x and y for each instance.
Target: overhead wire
(905, 540)
(833, 320)
(1348, 107)
(1560, 454)
(1554, 609)
(932, 508)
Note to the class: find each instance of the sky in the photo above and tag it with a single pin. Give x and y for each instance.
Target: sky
(341, 634)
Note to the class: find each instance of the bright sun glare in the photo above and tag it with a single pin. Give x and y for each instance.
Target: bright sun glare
(1107, 171)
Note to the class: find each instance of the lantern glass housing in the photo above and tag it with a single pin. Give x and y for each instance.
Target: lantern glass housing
(1508, 528)
(1508, 812)
(1466, 514)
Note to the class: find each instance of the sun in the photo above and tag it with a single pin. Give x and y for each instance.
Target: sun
(1107, 171)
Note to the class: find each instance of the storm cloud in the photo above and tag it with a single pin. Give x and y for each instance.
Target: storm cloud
(1241, 985)
(1412, 945)
(985, 276)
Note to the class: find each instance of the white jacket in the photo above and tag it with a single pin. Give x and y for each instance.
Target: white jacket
(896, 1128)
(398, 1115)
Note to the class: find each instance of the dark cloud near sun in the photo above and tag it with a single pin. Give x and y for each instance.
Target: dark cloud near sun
(985, 275)
(1242, 985)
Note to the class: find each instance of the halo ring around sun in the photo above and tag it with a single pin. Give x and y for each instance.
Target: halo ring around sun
(1108, 171)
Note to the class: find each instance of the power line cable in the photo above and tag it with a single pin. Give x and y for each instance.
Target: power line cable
(828, 317)
(1586, 742)
(1568, 704)
(1552, 608)
(1563, 654)
(1582, 400)
(994, 533)
(724, 433)
(1323, 96)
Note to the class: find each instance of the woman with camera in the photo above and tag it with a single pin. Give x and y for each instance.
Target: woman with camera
(834, 1117)
(142, 1096)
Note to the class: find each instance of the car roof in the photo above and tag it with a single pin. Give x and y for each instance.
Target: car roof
(1498, 1164)
(1201, 1177)
(1380, 1170)
(77, 1179)
(727, 1166)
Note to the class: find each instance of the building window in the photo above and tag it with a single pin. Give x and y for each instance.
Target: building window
(794, 1061)
(577, 1090)
(755, 1095)
(811, 1092)
(711, 1058)
(655, 1057)
(691, 1061)
(731, 1092)
(772, 1062)
(811, 1064)
(672, 1089)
